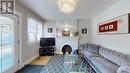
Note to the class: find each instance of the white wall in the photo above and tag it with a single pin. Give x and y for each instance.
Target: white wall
(49, 24)
(60, 24)
(83, 38)
(61, 41)
(118, 42)
(83, 23)
(27, 51)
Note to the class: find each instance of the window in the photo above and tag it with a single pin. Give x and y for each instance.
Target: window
(34, 30)
(39, 31)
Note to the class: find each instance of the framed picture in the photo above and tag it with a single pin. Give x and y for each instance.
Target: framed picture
(50, 30)
(84, 31)
(65, 33)
(118, 25)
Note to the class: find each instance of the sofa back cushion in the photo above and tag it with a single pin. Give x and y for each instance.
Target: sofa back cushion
(83, 47)
(93, 48)
(114, 56)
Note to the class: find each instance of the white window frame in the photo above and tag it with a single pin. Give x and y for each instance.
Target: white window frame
(39, 30)
(34, 29)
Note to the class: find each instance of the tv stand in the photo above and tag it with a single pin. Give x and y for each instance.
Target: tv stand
(47, 51)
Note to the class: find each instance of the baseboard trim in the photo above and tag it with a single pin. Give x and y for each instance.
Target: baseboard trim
(28, 61)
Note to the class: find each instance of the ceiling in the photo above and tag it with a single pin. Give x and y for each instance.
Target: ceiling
(86, 9)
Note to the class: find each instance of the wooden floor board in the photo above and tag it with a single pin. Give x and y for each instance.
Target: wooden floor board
(42, 60)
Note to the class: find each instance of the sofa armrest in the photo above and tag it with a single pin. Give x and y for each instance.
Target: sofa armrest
(123, 69)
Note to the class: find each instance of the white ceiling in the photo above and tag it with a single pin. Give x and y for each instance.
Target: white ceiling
(86, 9)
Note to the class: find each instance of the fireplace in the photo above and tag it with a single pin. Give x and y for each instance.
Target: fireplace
(66, 48)
(62, 41)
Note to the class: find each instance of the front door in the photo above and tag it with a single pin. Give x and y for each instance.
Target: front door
(8, 43)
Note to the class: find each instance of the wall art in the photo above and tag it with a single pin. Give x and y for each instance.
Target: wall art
(119, 25)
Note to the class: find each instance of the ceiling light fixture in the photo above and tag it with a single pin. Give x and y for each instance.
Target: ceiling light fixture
(67, 6)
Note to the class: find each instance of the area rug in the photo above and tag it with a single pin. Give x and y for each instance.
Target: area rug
(57, 65)
(31, 69)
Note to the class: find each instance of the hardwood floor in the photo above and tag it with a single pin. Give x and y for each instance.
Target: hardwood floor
(42, 60)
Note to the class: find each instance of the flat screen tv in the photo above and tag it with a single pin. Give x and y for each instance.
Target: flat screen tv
(44, 42)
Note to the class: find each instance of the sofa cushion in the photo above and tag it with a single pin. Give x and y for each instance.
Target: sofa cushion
(104, 65)
(123, 69)
(93, 48)
(123, 60)
(114, 56)
(83, 47)
(89, 54)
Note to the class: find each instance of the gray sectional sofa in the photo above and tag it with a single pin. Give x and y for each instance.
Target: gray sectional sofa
(104, 60)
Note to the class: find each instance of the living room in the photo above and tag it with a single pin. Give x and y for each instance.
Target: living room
(85, 36)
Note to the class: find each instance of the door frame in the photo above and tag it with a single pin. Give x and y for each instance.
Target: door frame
(15, 18)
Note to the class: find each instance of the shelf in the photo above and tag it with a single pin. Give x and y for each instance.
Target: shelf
(69, 36)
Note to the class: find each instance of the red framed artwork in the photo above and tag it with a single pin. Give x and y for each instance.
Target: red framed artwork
(119, 25)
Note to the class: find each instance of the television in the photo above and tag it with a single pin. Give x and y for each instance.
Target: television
(45, 42)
